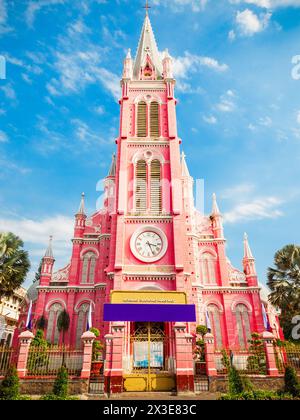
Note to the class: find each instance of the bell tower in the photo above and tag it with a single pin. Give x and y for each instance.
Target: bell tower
(149, 197)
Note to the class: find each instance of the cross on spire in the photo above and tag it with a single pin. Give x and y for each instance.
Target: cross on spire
(147, 7)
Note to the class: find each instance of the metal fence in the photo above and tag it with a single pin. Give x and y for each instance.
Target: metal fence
(46, 361)
(6, 359)
(248, 363)
(288, 355)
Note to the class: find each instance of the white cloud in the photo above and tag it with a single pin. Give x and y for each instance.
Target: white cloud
(78, 64)
(257, 209)
(3, 137)
(249, 23)
(269, 4)
(8, 91)
(38, 232)
(227, 103)
(36, 6)
(298, 117)
(179, 5)
(237, 191)
(231, 35)
(266, 121)
(4, 28)
(190, 63)
(210, 119)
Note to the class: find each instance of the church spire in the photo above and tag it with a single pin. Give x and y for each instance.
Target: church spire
(81, 206)
(215, 207)
(184, 167)
(49, 250)
(247, 250)
(147, 50)
(112, 170)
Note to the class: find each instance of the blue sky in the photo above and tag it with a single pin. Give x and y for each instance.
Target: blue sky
(238, 111)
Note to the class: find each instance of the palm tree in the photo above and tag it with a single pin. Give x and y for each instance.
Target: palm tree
(284, 282)
(14, 263)
(63, 324)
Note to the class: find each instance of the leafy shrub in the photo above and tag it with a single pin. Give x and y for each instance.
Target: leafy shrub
(291, 382)
(60, 387)
(235, 381)
(256, 395)
(9, 389)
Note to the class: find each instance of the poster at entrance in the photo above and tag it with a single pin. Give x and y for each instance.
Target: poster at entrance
(140, 354)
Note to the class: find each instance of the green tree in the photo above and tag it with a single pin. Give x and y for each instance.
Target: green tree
(97, 345)
(291, 382)
(284, 282)
(14, 263)
(9, 388)
(63, 324)
(37, 276)
(235, 381)
(41, 323)
(60, 388)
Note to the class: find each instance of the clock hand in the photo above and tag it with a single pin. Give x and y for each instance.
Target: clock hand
(150, 246)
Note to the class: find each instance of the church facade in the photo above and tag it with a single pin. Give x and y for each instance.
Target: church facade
(149, 266)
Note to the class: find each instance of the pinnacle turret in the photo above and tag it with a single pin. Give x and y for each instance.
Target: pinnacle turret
(184, 167)
(113, 166)
(247, 250)
(49, 250)
(215, 207)
(81, 209)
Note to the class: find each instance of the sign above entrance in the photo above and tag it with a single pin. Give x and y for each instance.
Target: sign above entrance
(148, 297)
(149, 313)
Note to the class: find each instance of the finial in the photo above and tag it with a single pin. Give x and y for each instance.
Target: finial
(147, 7)
(167, 53)
(128, 53)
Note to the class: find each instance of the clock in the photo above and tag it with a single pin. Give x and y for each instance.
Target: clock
(149, 244)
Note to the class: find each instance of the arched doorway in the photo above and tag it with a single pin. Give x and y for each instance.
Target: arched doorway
(151, 351)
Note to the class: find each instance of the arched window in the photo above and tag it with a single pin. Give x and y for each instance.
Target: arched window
(215, 320)
(142, 119)
(52, 335)
(88, 267)
(81, 323)
(208, 263)
(154, 119)
(243, 325)
(141, 186)
(156, 186)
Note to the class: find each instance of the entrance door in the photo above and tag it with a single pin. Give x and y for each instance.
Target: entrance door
(151, 367)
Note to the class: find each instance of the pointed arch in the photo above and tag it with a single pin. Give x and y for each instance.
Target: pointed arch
(82, 314)
(142, 119)
(243, 324)
(52, 335)
(156, 202)
(208, 265)
(154, 119)
(214, 313)
(88, 267)
(141, 186)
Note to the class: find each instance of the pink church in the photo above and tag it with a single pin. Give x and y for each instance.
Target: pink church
(149, 265)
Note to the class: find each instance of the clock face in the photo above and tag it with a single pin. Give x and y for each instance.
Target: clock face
(149, 244)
